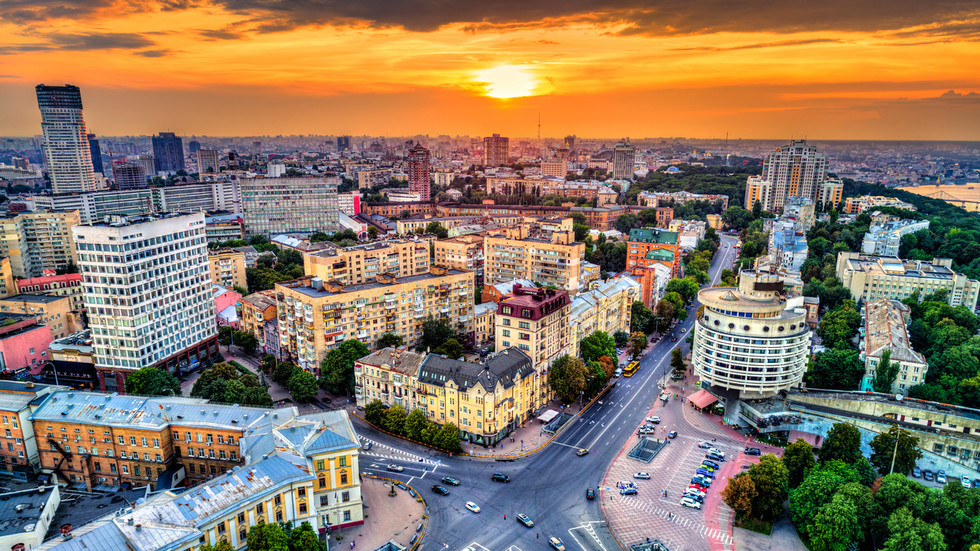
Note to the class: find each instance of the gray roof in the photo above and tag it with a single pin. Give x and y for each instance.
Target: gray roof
(26, 519)
(403, 361)
(504, 368)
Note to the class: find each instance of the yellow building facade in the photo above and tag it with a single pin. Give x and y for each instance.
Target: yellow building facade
(546, 258)
(363, 263)
(227, 268)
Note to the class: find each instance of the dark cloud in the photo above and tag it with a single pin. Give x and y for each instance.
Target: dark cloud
(153, 53)
(82, 42)
(9, 76)
(217, 34)
(638, 17)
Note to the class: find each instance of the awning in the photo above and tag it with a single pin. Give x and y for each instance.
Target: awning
(702, 399)
(547, 416)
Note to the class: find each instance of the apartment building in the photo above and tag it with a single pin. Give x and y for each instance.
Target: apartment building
(461, 253)
(689, 232)
(317, 315)
(38, 241)
(363, 263)
(857, 205)
(19, 456)
(535, 321)
(653, 278)
(51, 310)
(256, 311)
(656, 199)
(405, 226)
(873, 277)
(400, 210)
(389, 375)
(511, 183)
(8, 285)
(289, 205)
(886, 239)
(227, 268)
(608, 307)
(301, 469)
(483, 322)
(66, 285)
(648, 246)
(526, 252)
(24, 346)
(885, 329)
(147, 293)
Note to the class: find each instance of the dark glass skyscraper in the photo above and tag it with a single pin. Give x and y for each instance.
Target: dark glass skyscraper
(193, 146)
(168, 153)
(67, 152)
(93, 145)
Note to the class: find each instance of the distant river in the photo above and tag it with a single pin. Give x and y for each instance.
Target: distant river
(966, 192)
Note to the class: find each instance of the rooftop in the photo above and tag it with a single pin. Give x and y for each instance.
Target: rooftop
(21, 511)
(505, 368)
(892, 265)
(302, 285)
(400, 360)
(653, 235)
(885, 330)
(34, 298)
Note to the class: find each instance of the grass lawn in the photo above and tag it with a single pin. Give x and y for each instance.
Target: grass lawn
(755, 525)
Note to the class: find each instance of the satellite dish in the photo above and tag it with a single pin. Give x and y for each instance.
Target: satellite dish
(899, 397)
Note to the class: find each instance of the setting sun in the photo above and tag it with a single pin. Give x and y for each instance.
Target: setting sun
(508, 81)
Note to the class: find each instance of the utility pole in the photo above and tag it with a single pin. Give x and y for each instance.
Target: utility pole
(898, 434)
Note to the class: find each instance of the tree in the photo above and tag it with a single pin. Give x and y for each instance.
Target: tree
(621, 337)
(595, 345)
(836, 526)
(390, 340)
(451, 349)
(246, 341)
(757, 209)
(305, 538)
(447, 438)
(434, 333)
(638, 342)
(686, 287)
(234, 393)
(770, 477)
(740, 494)
(437, 229)
(798, 458)
(675, 299)
(224, 335)
(415, 423)
(267, 537)
(677, 363)
(885, 373)
(282, 372)
(843, 443)
(302, 386)
(883, 448)
(220, 546)
(835, 368)
(816, 490)
(372, 232)
(337, 367)
(394, 421)
(152, 381)
(664, 311)
(567, 378)
(909, 533)
(626, 222)
(641, 319)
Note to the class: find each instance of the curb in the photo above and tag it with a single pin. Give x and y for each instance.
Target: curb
(425, 520)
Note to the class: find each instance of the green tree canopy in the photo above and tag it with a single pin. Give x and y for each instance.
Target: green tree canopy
(771, 479)
(843, 443)
(885, 373)
(897, 443)
(152, 381)
(740, 494)
(302, 386)
(305, 538)
(450, 348)
(390, 340)
(597, 344)
(434, 333)
(567, 378)
(836, 368)
(415, 423)
(448, 438)
(799, 459)
(394, 420)
(374, 412)
(267, 537)
(337, 367)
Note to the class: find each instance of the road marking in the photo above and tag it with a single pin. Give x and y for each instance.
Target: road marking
(474, 547)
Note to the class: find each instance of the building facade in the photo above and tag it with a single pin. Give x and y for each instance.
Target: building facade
(147, 293)
(793, 169)
(316, 315)
(608, 307)
(624, 159)
(67, 285)
(873, 277)
(168, 153)
(655, 199)
(227, 268)
(536, 322)
(750, 341)
(257, 311)
(38, 241)
(496, 150)
(289, 205)
(523, 252)
(885, 329)
(647, 246)
(886, 239)
(67, 153)
(51, 310)
(461, 253)
(208, 160)
(129, 176)
(418, 171)
(363, 263)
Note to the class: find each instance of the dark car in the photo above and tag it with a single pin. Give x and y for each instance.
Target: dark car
(927, 474)
(628, 491)
(450, 480)
(916, 472)
(441, 490)
(499, 477)
(711, 464)
(589, 493)
(976, 482)
(673, 339)
(753, 451)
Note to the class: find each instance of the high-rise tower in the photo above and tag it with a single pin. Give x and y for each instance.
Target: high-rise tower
(168, 153)
(624, 159)
(418, 171)
(96, 153)
(67, 152)
(496, 149)
(794, 169)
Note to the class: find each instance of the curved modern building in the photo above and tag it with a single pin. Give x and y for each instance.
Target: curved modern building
(749, 341)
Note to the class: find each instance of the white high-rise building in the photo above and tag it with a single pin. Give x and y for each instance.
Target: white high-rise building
(794, 169)
(147, 289)
(67, 152)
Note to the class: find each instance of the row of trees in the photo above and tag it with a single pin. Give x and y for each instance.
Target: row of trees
(242, 339)
(223, 382)
(277, 537)
(840, 498)
(413, 425)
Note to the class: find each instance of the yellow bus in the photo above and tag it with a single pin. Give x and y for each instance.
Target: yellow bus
(631, 368)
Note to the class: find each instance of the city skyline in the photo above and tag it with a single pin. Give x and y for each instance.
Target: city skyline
(833, 71)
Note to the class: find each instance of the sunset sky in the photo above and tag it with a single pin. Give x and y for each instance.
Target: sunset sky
(833, 69)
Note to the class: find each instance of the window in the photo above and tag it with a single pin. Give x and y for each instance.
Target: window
(277, 500)
(260, 508)
(343, 461)
(319, 464)
(221, 527)
(241, 535)
(302, 508)
(132, 440)
(343, 479)
(301, 492)
(121, 440)
(322, 482)
(345, 497)
(144, 442)
(346, 515)
(190, 467)
(278, 516)
(156, 442)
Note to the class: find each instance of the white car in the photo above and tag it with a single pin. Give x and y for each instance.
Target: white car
(688, 502)
(965, 481)
(704, 445)
(716, 451)
(472, 506)
(693, 490)
(642, 476)
(653, 419)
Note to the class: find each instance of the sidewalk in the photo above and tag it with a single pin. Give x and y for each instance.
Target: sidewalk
(387, 518)
(525, 438)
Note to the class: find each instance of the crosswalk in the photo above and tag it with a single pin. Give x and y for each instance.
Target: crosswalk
(388, 452)
(653, 508)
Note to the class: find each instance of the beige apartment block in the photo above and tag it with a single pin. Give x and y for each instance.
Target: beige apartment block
(227, 268)
(363, 263)
(51, 310)
(525, 252)
(608, 307)
(8, 285)
(38, 241)
(873, 277)
(885, 330)
(461, 253)
(317, 315)
(483, 326)
(258, 309)
(536, 322)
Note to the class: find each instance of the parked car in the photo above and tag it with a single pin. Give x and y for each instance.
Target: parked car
(395, 468)
(556, 543)
(653, 419)
(646, 430)
(976, 482)
(695, 496)
(753, 451)
(916, 472)
(711, 464)
(589, 494)
(472, 506)
(941, 476)
(698, 487)
(706, 473)
(927, 474)
(716, 451)
(499, 477)
(441, 490)
(450, 480)
(525, 520)
(689, 502)
(965, 481)
(709, 468)
(704, 481)
(581, 452)
(672, 434)
(628, 491)
(704, 445)
(367, 446)
(642, 476)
